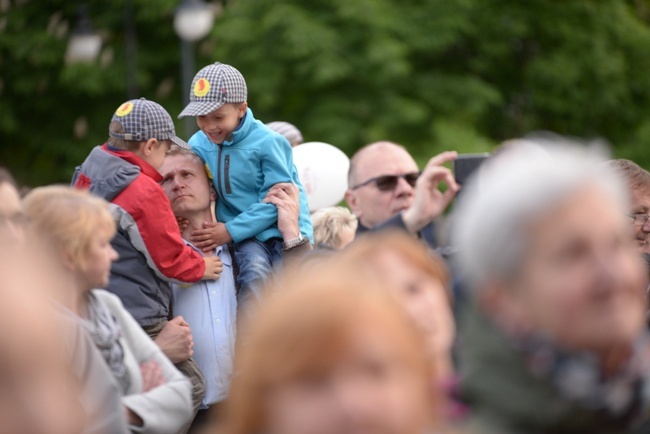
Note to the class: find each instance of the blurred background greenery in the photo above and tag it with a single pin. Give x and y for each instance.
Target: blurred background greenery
(430, 74)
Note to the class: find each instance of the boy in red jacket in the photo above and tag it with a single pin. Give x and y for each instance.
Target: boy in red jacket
(124, 171)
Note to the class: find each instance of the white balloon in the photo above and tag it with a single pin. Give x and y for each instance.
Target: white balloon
(323, 171)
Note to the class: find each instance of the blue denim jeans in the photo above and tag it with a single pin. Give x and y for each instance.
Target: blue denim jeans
(256, 261)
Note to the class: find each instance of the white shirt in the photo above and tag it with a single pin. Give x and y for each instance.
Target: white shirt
(210, 308)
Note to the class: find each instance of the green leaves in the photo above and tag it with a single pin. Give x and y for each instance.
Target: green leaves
(430, 74)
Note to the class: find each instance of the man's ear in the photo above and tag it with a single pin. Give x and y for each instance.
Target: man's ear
(353, 202)
(213, 194)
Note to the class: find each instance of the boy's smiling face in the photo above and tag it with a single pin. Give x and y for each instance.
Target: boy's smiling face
(218, 124)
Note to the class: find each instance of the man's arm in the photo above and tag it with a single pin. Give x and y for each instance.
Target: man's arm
(175, 340)
(285, 196)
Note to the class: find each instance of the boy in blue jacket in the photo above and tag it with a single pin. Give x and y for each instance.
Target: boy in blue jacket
(245, 159)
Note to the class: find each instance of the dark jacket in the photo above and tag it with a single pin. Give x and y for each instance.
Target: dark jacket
(506, 398)
(427, 233)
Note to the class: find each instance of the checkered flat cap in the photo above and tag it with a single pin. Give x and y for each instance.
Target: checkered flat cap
(214, 86)
(143, 120)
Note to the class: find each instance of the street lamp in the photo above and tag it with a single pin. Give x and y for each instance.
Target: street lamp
(84, 43)
(193, 21)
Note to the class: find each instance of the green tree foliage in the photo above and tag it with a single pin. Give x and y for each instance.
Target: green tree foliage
(354, 72)
(430, 74)
(52, 114)
(438, 74)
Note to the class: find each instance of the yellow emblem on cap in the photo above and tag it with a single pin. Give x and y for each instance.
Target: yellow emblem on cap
(201, 87)
(125, 109)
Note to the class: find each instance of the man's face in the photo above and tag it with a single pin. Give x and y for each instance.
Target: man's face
(186, 185)
(370, 204)
(641, 205)
(583, 280)
(218, 124)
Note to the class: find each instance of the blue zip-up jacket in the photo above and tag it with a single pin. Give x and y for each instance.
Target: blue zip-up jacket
(244, 167)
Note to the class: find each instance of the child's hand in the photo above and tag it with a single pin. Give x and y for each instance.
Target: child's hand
(183, 223)
(211, 236)
(213, 267)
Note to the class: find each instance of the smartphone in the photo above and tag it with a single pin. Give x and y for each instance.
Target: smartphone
(466, 164)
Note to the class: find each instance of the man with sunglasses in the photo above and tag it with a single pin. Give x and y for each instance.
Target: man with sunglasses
(386, 189)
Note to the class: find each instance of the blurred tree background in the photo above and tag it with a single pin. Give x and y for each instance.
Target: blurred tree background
(430, 74)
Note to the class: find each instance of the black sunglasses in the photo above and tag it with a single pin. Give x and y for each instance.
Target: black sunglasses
(389, 182)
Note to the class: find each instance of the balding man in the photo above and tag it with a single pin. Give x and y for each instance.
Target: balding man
(386, 189)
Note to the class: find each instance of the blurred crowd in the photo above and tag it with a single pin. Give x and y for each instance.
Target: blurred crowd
(179, 287)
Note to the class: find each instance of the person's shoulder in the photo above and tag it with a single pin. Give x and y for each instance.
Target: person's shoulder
(147, 204)
(116, 156)
(141, 196)
(256, 129)
(272, 135)
(200, 142)
(109, 299)
(257, 143)
(146, 186)
(270, 141)
(115, 306)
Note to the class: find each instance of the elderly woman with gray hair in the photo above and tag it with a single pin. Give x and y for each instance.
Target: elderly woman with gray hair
(553, 335)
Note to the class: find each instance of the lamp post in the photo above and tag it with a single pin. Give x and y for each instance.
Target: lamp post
(193, 21)
(84, 43)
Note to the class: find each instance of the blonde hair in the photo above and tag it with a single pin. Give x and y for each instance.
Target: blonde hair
(329, 223)
(303, 328)
(190, 155)
(68, 218)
